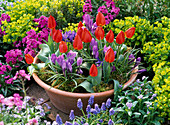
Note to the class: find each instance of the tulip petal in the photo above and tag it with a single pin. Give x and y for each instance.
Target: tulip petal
(109, 55)
(29, 59)
(86, 36)
(130, 32)
(120, 37)
(57, 36)
(51, 22)
(63, 47)
(99, 33)
(93, 70)
(110, 36)
(100, 19)
(77, 43)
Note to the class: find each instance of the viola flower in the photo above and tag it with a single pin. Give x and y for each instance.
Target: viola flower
(51, 22)
(99, 33)
(57, 36)
(120, 38)
(29, 59)
(86, 36)
(130, 32)
(93, 70)
(109, 55)
(100, 19)
(77, 44)
(110, 36)
(63, 47)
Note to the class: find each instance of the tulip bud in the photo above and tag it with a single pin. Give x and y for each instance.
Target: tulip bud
(80, 24)
(29, 59)
(110, 56)
(86, 36)
(57, 36)
(130, 32)
(100, 19)
(63, 47)
(110, 36)
(120, 37)
(77, 44)
(99, 33)
(51, 22)
(93, 71)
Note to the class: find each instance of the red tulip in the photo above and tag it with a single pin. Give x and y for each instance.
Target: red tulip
(100, 19)
(110, 36)
(77, 44)
(52, 31)
(86, 36)
(120, 37)
(99, 33)
(93, 71)
(63, 47)
(80, 24)
(110, 56)
(57, 36)
(51, 22)
(29, 59)
(130, 32)
(79, 32)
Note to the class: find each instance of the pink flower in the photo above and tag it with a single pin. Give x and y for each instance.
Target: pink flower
(1, 123)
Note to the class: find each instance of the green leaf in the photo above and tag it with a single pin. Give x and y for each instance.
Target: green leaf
(137, 114)
(51, 44)
(106, 71)
(121, 58)
(130, 113)
(44, 52)
(87, 86)
(156, 122)
(116, 89)
(134, 103)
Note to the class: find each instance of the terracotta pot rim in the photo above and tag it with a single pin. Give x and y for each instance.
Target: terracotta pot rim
(57, 91)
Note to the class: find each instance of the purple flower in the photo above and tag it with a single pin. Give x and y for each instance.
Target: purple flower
(71, 56)
(71, 116)
(88, 108)
(106, 48)
(141, 71)
(64, 65)
(91, 100)
(88, 115)
(93, 43)
(97, 108)
(79, 71)
(76, 123)
(111, 112)
(59, 120)
(129, 105)
(140, 97)
(103, 107)
(154, 95)
(69, 66)
(79, 61)
(68, 123)
(79, 104)
(101, 120)
(53, 58)
(94, 111)
(88, 21)
(131, 58)
(138, 80)
(110, 122)
(60, 60)
(108, 103)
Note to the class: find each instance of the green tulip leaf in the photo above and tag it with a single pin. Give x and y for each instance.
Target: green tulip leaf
(44, 52)
(87, 86)
(106, 71)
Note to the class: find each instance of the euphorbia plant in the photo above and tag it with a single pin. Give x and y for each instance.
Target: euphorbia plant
(92, 61)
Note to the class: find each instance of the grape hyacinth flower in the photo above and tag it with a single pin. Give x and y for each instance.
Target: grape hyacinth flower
(59, 120)
(103, 107)
(110, 122)
(68, 123)
(71, 116)
(108, 103)
(111, 112)
(88, 108)
(94, 111)
(91, 100)
(97, 108)
(79, 104)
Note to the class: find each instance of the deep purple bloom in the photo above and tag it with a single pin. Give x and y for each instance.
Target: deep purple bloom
(111, 112)
(108, 103)
(71, 56)
(71, 116)
(101, 120)
(88, 21)
(79, 104)
(76, 123)
(94, 111)
(53, 58)
(93, 43)
(103, 107)
(79, 71)
(142, 70)
(131, 58)
(129, 105)
(91, 100)
(110, 122)
(88, 108)
(59, 120)
(88, 115)
(97, 108)
(106, 48)
(79, 61)
(60, 60)
(69, 66)
(68, 123)
(64, 65)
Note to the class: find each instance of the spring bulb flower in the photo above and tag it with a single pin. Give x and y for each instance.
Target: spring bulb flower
(77, 43)
(93, 70)
(51, 22)
(63, 47)
(110, 36)
(100, 19)
(57, 36)
(120, 37)
(29, 59)
(109, 55)
(99, 33)
(130, 32)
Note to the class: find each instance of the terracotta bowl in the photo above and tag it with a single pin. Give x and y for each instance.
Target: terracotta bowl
(66, 101)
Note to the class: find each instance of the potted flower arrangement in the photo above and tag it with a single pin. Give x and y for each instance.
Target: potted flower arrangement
(93, 64)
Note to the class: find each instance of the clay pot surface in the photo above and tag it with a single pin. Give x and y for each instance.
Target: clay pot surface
(67, 101)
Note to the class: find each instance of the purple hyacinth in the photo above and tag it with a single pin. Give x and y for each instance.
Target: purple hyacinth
(68, 123)
(88, 108)
(53, 58)
(129, 105)
(108, 103)
(110, 122)
(111, 112)
(79, 61)
(97, 108)
(59, 120)
(103, 107)
(71, 116)
(94, 111)
(91, 100)
(79, 104)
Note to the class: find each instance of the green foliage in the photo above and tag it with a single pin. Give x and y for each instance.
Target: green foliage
(149, 9)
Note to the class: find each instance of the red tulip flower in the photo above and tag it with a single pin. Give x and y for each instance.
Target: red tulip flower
(77, 44)
(110, 56)
(57, 36)
(93, 71)
(130, 32)
(86, 36)
(110, 36)
(99, 33)
(120, 37)
(29, 59)
(100, 19)
(51, 22)
(63, 47)
(80, 24)
(79, 32)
